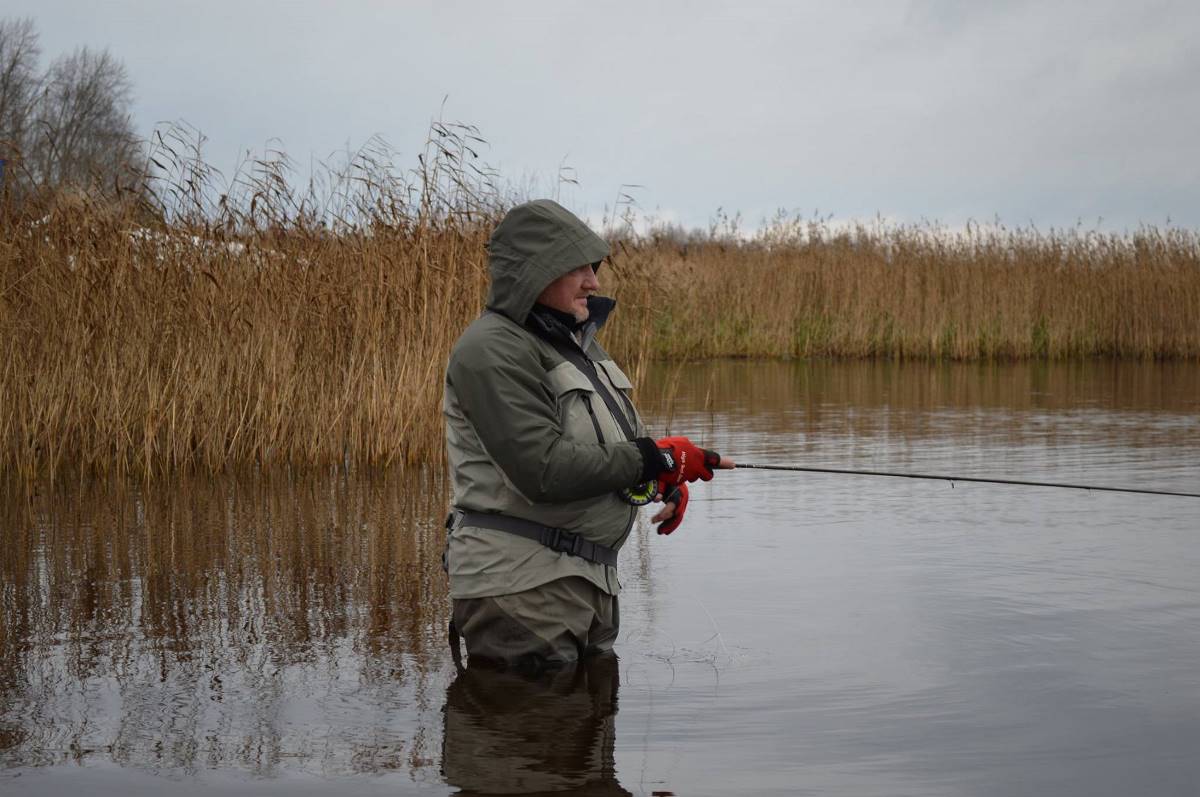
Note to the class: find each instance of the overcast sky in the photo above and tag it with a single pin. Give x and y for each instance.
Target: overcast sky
(1036, 112)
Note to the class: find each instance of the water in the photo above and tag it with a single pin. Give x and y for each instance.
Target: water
(799, 634)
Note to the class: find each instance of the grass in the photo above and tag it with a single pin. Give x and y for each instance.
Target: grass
(185, 329)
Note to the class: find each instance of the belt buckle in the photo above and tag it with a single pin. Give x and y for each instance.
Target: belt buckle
(563, 541)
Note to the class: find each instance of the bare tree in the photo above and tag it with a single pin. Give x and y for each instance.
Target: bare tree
(67, 127)
(83, 131)
(20, 85)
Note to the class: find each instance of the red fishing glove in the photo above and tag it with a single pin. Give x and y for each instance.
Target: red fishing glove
(684, 461)
(678, 495)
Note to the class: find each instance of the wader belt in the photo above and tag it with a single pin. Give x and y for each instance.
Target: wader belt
(554, 539)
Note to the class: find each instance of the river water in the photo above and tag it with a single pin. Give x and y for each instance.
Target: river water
(801, 633)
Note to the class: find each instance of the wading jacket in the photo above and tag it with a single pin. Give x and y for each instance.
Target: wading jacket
(526, 434)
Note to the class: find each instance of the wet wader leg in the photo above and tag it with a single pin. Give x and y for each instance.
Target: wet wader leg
(495, 637)
(605, 625)
(550, 625)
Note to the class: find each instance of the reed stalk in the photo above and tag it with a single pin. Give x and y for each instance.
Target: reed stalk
(184, 329)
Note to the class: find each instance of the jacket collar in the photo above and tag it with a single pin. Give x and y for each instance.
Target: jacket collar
(557, 326)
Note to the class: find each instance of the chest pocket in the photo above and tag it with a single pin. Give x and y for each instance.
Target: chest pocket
(578, 404)
(616, 377)
(624, 389)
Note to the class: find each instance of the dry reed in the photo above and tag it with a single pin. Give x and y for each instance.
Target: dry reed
(799, 290)
(191, 329)
(269, 332)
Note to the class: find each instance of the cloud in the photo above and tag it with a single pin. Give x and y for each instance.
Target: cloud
(934, 109)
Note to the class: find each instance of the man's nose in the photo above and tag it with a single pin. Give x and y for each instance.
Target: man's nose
(591, 282)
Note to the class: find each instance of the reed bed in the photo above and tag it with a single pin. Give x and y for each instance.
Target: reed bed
(292, 350)
(808, 290)
(185, 329)
(178, 330)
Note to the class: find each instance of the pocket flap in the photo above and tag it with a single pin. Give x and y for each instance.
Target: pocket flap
(564, 378)
(615, 375)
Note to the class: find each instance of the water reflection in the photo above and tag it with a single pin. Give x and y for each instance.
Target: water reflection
(850, 635)
(236, 623)
(508, 733)
(757, 388)
(1141, 404)
(1094, 422)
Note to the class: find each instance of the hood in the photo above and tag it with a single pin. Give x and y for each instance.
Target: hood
(535, 244)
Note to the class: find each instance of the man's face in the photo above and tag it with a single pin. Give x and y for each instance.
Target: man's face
(569, 292)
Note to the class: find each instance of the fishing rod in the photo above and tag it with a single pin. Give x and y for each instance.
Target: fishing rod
(953, 479)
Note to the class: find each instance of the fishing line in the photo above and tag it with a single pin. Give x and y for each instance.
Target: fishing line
(952, 479)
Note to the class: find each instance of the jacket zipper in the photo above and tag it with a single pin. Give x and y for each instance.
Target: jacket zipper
(587, 400)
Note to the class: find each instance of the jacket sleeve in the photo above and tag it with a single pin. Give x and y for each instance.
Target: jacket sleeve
(500, 385)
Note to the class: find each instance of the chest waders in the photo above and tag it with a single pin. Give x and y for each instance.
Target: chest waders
(557, 539)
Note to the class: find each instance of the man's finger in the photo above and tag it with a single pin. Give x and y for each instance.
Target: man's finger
(726, 463)
(666, 513)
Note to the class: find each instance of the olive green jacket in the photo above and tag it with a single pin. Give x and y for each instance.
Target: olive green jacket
(520, 434)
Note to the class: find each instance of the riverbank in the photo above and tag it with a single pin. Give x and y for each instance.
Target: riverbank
(137, 347)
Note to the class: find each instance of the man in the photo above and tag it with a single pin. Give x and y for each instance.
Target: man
(547, 454)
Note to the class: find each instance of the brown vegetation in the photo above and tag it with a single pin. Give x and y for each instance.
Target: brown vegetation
(193, 329)
(213, 331)
(807, 290)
